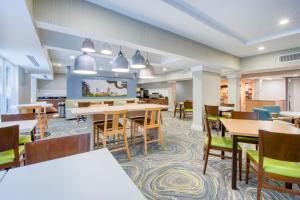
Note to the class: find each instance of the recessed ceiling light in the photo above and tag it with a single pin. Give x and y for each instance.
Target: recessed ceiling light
(284, 21)
(72, 57)
(261, 48)
(165, 69)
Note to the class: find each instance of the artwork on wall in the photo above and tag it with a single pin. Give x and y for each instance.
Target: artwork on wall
(104, 88)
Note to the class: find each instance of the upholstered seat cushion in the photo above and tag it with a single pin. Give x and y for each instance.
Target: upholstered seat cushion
(8, 156)
(224, 142)
(24, 139)
(189, 109)
(283, 168)
(215, 118)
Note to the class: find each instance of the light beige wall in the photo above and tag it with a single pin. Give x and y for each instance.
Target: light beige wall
(267, 62)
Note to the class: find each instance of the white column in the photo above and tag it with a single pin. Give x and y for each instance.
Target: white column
(197, 74)
(234, 90)
(172, 94)
(33, 89)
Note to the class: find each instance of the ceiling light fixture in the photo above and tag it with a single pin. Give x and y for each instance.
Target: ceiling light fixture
(261, 48)
(164, 69)
(148, 71)
(106, 49)
(88, 46)
(138, 61)
(284, 21)
(85, 64)
(120, 63)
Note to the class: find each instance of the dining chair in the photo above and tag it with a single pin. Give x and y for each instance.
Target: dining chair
(228, 104)
(49, 149)
(130, 101)
(278, 159)
(218, 143)
(110, 103)
(187, 108)
(151, 121)
(213, 115)
(176, 108)
(19, 117)
(133, 116)
(11, 153)
(82, 105)
(246, 116)
(113, 127)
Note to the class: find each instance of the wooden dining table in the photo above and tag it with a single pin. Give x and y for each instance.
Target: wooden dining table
(91, 111)
(250, 128)
(25, 126)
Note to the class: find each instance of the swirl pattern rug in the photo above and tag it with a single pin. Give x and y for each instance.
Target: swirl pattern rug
(176, 171)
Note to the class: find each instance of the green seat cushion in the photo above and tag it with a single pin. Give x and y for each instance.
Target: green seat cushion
(218, 141)
(8, 156)
(189, 110)
(24, 139)
(251, 139)
(177, 108)
(215, 118)
(283, 168)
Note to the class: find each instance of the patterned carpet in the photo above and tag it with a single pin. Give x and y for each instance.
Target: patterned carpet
(176, 171)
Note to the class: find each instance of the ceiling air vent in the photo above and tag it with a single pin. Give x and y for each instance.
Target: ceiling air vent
(33, 60)
(289, 57)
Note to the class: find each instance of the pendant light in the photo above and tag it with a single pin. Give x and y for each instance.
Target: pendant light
(85, 64)
(106, 49)
(88, 46)
(148, 71)
(138, 61)
(120, 63)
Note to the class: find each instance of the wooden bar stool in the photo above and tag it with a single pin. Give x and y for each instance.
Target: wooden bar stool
(112, 127)
(150, 121)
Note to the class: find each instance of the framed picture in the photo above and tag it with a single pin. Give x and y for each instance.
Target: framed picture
(104, 88)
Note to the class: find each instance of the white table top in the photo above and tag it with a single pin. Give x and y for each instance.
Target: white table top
(99, 110)
(46, 105)
(225, 108)
(25, 126)
(290, 114)
(93, 175)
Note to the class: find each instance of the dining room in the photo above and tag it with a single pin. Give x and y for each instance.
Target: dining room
(116, 100)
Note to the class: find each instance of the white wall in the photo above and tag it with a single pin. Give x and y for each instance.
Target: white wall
(295, 95)
(211, 88)
(184, 90)
(55, 87)
(270, 89)
(24, 86)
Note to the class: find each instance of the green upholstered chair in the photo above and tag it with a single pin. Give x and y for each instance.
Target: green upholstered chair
(11, 153)
(278, 159)
(218, 143)
(213, 115)
(187, 108)
(246, 116)
(19, 117)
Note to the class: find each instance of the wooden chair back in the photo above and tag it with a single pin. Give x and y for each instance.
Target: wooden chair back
(17, 117)
(130, 101)
(83, 104)
(98, 105)
(152, 118)
(10, 140)
(211, 110)
(113, 117)
(244, 115)
(227, 104)
(110, 103)
(279, 146)
(208, 130)
(188, 105)
(53, 148)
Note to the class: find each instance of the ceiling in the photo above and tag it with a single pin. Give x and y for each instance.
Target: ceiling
(19, 39)
(236, 27)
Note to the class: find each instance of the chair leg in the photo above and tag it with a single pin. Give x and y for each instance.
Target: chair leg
(206, 159)
(104, 142)
(131, 130)
(204, 149)
(247, 169)
(259, 186)
(240, 165)
(126, 145)
(161, 137)
(145, 142)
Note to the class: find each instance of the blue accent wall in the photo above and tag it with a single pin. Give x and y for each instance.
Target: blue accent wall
(74, 83)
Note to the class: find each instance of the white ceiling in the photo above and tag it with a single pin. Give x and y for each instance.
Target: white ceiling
(18, 37)
(236, 27)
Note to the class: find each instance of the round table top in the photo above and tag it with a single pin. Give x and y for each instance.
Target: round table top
(290, 114)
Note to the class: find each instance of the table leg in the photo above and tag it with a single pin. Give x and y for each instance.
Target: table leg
(223, 135)
(180, 111)
(90, 129)
(234, 162)
(288, 185)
